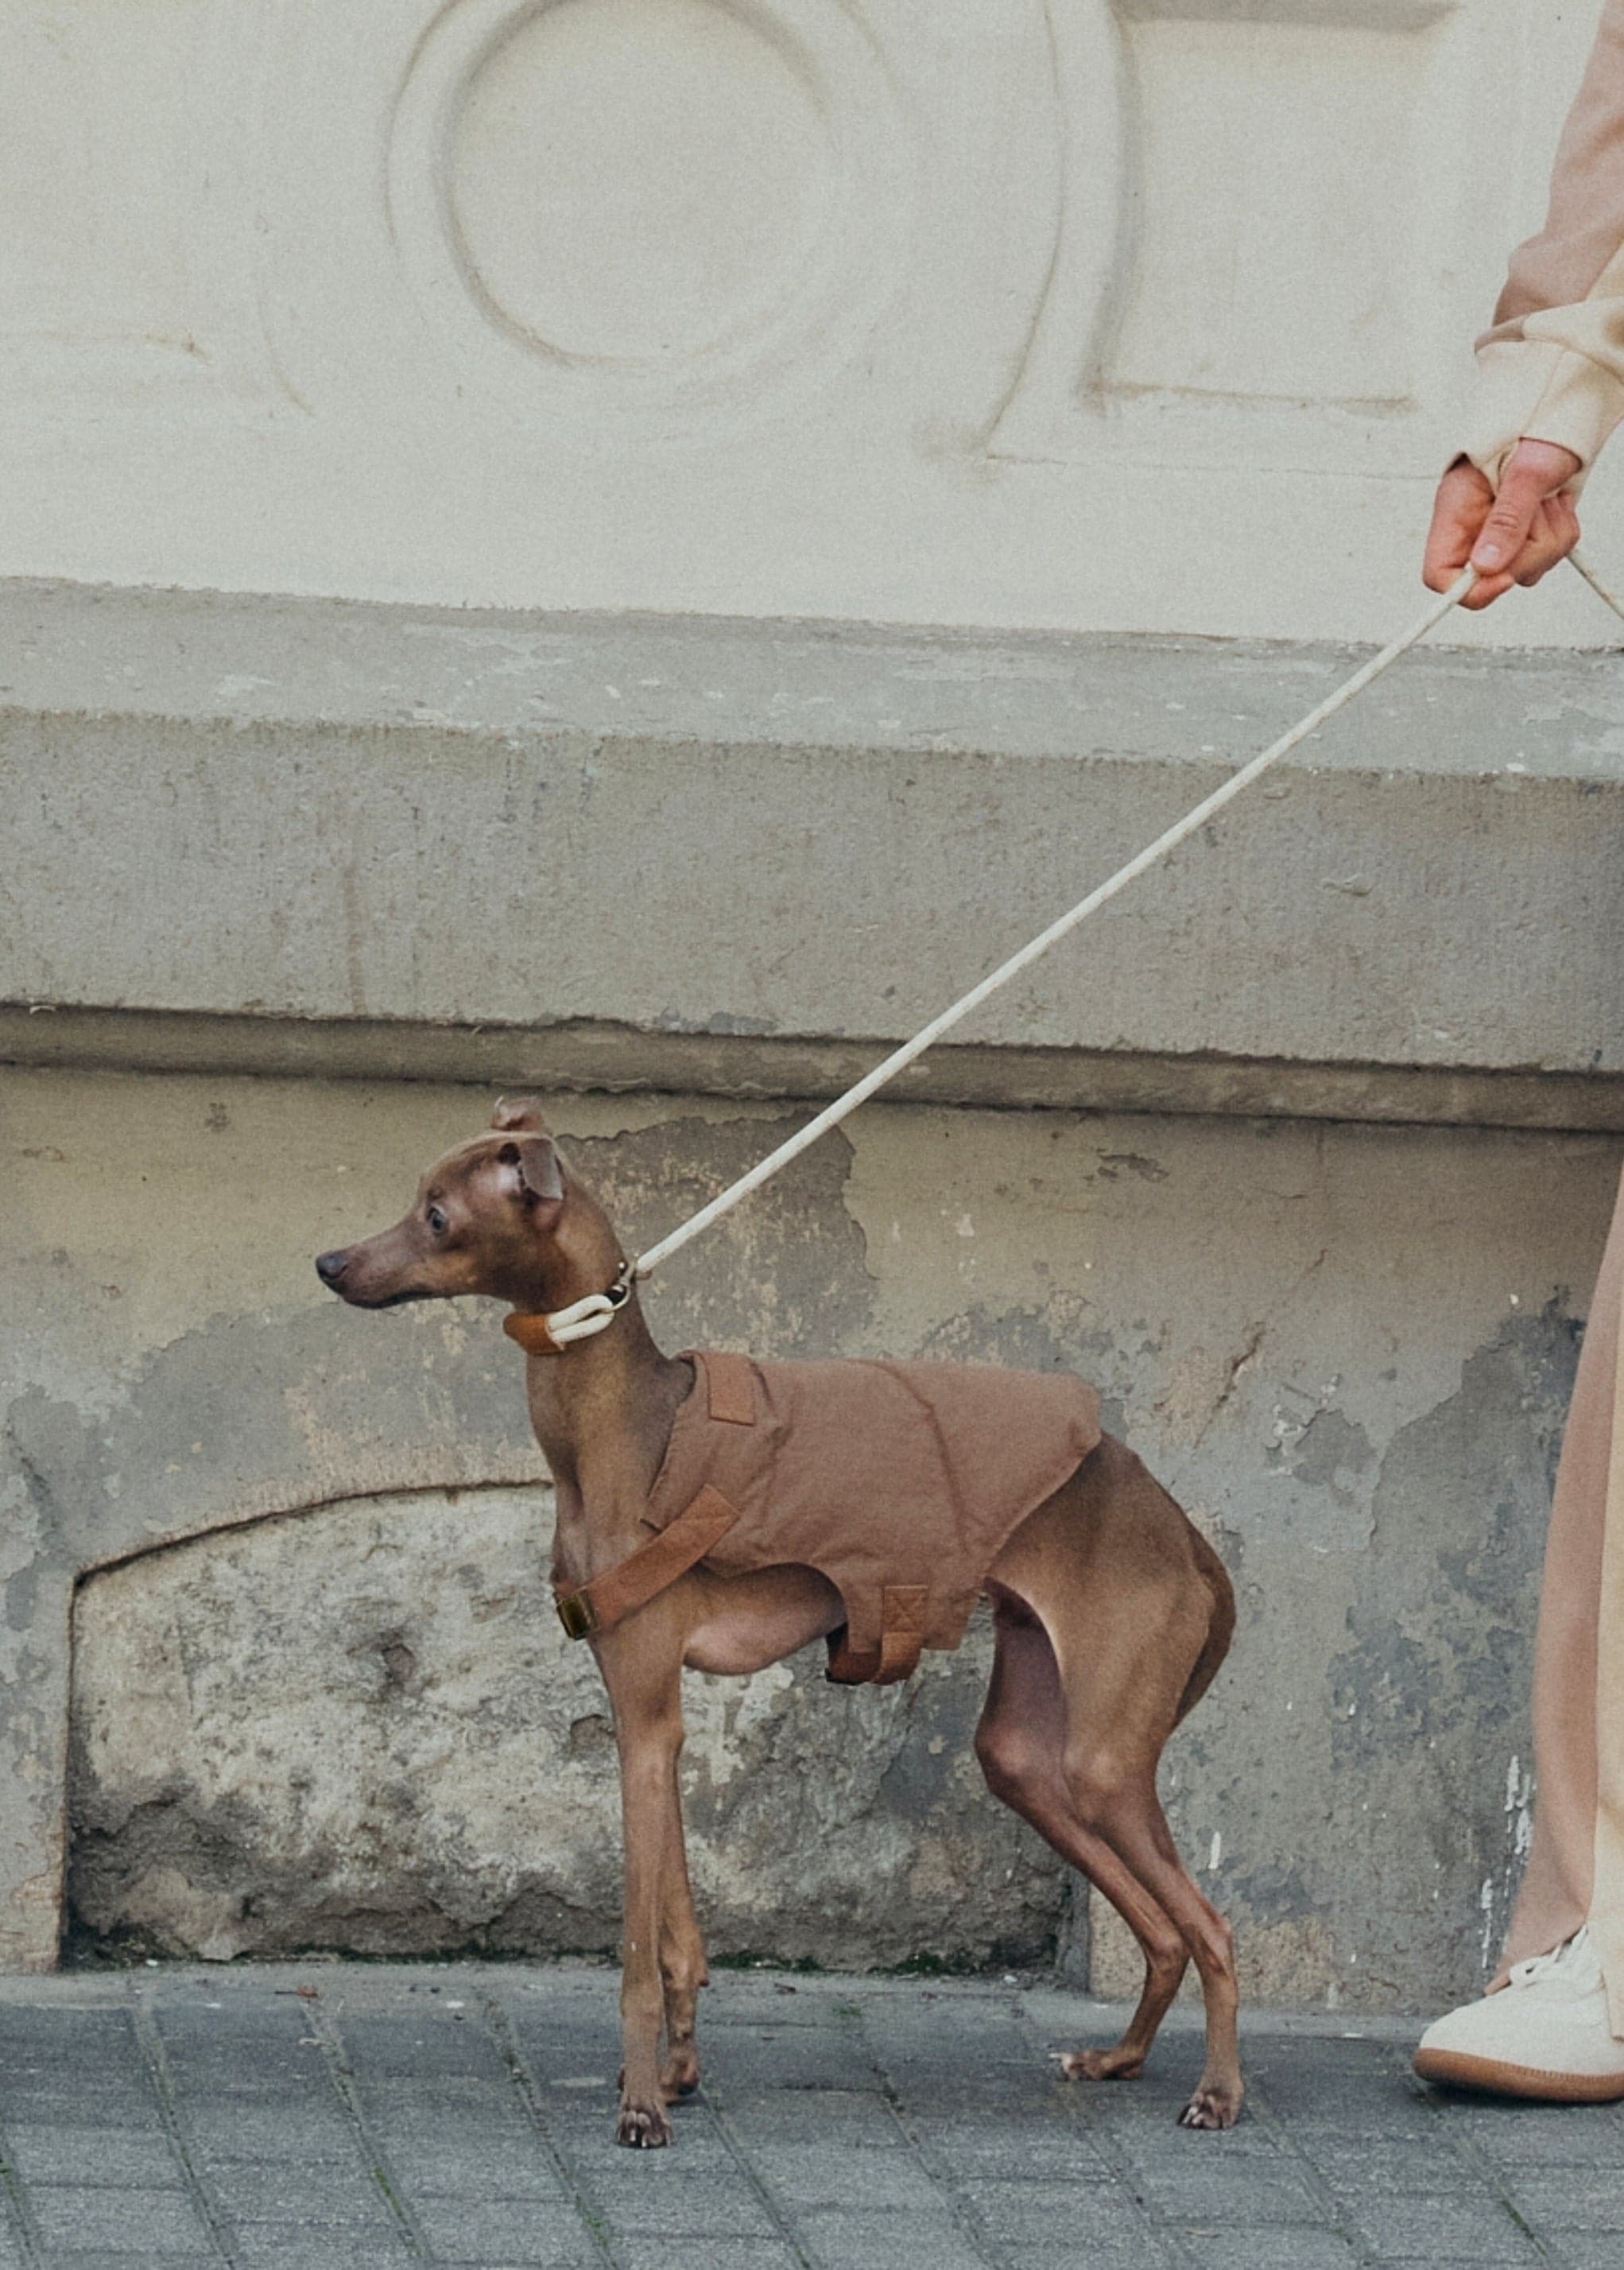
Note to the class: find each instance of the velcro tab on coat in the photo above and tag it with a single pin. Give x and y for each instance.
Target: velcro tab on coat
(905, 1611)
(729, 1389)
(902, 1628)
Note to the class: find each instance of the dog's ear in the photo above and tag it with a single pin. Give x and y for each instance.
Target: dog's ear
(536, 1161)
(518, 1115)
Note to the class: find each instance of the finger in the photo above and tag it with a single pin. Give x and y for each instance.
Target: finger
(1486, 591)
(1552, 538)
(1462, 502)
(1511, 518)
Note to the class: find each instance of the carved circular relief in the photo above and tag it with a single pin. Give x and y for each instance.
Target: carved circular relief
(655, 203)
(633, 179)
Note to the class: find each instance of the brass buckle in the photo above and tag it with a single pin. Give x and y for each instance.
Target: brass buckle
(576, 1614)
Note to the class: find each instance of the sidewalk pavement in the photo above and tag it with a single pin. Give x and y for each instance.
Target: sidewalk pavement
(462, 2113)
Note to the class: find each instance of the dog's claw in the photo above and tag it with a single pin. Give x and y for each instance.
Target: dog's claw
(643, 2127)
(1210, 2108)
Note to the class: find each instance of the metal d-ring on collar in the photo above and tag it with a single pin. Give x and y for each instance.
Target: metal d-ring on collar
(594, 1313)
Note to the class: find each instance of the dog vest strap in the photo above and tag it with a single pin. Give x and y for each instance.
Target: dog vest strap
(729, 1389)
(904, 1610)
(635, 1581)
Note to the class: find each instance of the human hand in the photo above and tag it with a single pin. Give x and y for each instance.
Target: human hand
(1513, 538)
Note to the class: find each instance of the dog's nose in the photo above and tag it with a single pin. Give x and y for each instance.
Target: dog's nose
(330, 1267)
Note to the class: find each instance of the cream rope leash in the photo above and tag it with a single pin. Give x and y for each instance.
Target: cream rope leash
(1585, 569)
(583, 1318)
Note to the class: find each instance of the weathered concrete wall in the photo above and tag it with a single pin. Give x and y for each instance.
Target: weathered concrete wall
(1346, 1349)
(364, 1728)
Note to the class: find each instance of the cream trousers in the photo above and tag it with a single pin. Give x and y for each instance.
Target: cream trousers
(1575, 1867)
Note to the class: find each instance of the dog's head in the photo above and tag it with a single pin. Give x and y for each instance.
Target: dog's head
(485, 1220)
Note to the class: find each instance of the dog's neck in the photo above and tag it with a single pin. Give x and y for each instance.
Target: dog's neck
(603, 1410)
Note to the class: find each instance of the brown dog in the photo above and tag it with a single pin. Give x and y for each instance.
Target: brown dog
(1111, 1612)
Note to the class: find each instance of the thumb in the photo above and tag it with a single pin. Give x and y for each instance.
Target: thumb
(1510, 518)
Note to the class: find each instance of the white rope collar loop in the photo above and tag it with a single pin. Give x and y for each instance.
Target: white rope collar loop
(595, 1312)
(583, 1318)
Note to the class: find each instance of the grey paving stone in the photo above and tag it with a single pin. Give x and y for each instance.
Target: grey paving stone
(88, 2106)
(1125, 2250)
(100, 2258)
(273, 2246)
(464, 2167)
(1577, 2199)
(1569, 2136)
(823, 2175)
(1246, 2193)
(1589, 2250)
(1035, 2152)
(843, 2241)
(287, 2192)
(162, 2225)
(980, 2156)
(1065, 2216)
(71, 2154)
(422, 2044)
(1277, 2249)
(744, 2061)
(1394, 2164)
(651, 2253)
(1439, 2229)
(697, 2205)
(857, 2120)
(507, 2232)
(305, 2132)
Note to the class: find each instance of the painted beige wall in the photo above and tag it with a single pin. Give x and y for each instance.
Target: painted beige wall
(1145, 315)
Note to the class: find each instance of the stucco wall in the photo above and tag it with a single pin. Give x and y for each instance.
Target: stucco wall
(1346, 1349)
(1118, 315)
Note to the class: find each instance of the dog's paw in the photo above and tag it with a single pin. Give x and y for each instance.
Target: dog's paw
(681, 2076)
(643, 2127)
(1103, 2065)
(1212, 2108)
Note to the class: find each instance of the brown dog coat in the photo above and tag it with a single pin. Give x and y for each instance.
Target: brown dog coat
(899, 1482)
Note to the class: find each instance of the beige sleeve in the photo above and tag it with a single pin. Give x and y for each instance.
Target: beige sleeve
(1552, 367)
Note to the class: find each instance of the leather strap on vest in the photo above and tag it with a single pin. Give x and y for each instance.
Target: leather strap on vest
(903, 1609)
(633, 1583)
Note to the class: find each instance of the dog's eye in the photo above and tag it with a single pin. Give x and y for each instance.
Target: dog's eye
(437, 1221)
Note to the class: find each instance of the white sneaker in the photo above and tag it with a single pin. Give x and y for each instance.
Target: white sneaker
(1545, 2034)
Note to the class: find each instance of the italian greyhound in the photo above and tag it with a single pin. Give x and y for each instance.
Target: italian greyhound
(1111, 1614)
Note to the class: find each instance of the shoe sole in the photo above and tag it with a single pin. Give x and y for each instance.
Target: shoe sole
(1451, 2069)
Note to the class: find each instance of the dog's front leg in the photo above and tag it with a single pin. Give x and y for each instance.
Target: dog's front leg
(683, 1969)
(643, 1676)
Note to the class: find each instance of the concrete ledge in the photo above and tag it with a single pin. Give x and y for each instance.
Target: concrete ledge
(585, 1057)
(719, 855)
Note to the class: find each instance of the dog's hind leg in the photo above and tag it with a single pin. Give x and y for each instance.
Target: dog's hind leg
(1138, 1610)
(1019, 1744)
